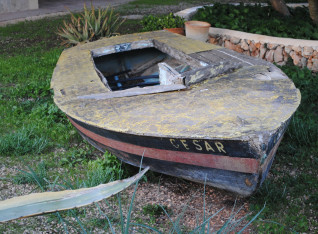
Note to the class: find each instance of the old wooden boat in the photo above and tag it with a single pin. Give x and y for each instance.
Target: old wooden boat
(191, 109)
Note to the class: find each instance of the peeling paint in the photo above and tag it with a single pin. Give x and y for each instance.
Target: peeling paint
(191, 114)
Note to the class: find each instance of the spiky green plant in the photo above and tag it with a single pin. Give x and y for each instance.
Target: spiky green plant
(90, 25)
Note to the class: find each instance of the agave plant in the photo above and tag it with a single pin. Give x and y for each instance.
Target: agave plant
(90, 25)
(47, 202)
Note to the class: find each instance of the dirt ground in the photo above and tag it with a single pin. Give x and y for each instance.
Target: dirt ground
(182, 199)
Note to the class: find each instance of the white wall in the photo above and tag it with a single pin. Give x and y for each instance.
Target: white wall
(18, 5)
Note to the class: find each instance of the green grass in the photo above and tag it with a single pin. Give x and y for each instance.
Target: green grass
(29, 52)
(24, 140)
(154, 211)
(33, 176)
(291, 192)
(130, 26)
(35, 36)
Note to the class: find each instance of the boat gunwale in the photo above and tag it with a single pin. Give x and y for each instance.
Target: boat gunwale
(63, 103)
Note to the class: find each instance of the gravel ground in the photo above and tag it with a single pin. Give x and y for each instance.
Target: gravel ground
(178, 196)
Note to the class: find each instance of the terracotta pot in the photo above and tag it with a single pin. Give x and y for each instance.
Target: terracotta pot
(175, 30)
(197, 30)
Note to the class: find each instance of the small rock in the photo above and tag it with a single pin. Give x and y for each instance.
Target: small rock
(296, 49)
(247, 52)
(252, 47)
(255, 53)
(235, 40)
(315, 65)
(229, 45)
(258, 45)
(228, 37)
(307, 51)
(295, 57)
(262, 52)
(269, 56)
(310, 66)
(278, 54)
(292, 53)
(286, 56)
(288, 49)
(281, 63)
(303, 62)
(238, 48)
(271, 46)
(310, 59)
(244, 45)
(213, 40)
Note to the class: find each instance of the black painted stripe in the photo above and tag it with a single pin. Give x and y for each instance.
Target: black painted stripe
(232, 148)
(229, 180)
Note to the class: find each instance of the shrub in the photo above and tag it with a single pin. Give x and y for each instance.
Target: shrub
(153, 23)
(37, 176)
(260, 20)
(101, 171)
(90, 25)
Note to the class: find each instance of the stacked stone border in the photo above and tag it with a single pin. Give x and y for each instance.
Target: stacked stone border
(304, 53)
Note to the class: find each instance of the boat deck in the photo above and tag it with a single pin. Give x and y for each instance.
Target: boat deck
(255, 98)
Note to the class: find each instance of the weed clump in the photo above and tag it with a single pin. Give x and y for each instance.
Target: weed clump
(37, 176)
(23, 141)
(153, 23)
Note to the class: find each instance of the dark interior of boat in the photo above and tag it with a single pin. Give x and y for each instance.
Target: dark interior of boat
(135, 68)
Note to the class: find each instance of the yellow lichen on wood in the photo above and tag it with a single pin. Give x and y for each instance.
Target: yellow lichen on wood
(181, 43)
(229, 106)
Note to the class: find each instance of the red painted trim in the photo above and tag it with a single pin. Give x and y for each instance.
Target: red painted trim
(246, 165)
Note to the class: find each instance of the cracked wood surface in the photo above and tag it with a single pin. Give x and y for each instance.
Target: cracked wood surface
(249, 102)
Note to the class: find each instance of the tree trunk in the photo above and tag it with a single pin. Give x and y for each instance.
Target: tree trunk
(280, 6)
(313, 10)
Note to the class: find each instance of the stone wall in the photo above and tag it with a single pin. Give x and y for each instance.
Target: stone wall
(17, 5)
(304, 53)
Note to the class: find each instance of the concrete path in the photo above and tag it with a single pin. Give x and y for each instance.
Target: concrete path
(49, 8)
(53, 8)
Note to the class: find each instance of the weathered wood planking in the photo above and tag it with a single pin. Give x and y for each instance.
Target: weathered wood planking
(134, 92)
(226, 55)
(210, 71)
(111, 49)
(179, 55)
(224, 127)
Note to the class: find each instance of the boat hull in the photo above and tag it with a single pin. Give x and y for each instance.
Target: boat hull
(229, 165)
(216, 117)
